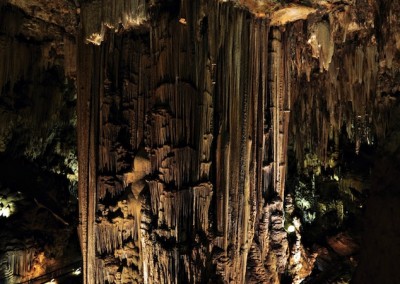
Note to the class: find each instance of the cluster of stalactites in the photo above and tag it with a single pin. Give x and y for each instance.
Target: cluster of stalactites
(340, 94)
(21, 262)
(118, 240)
(181, 212)
(15, 58)
(100, 15)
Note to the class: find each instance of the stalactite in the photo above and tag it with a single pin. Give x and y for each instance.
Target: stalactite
(322, 44)
(15, 57)
(108, 184)
(20, 263)
(280, 108)
(108, 158)
(70, 56)
(108, 237)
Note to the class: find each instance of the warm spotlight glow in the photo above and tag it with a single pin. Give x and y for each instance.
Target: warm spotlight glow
(291, 229)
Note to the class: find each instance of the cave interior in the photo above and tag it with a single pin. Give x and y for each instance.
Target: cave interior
(270, 155)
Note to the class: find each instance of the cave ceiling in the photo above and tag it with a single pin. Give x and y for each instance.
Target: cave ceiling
(247, 141)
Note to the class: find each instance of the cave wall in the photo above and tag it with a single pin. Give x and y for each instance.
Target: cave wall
(38, 158)
(200, 110)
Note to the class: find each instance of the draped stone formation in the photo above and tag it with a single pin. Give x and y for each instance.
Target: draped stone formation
(185, 116)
